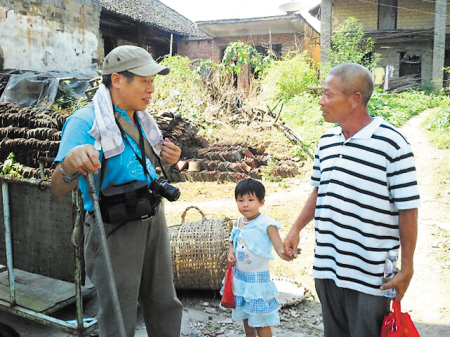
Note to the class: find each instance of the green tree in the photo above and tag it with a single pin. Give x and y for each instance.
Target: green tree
(239, 53)
(349, 44)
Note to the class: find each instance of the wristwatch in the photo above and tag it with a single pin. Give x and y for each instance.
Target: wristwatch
(68, 179)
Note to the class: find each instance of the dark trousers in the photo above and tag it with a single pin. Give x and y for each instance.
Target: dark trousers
(350, 313)
(142, 266)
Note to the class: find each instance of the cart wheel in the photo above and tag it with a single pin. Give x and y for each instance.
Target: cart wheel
(7, 331)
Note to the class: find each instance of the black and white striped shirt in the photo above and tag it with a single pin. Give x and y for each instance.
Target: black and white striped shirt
(362, 183)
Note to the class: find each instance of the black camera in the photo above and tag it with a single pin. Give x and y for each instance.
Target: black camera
(162, 187)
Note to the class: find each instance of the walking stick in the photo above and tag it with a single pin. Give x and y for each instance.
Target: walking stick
(104, 251)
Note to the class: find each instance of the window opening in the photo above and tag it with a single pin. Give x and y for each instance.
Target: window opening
(410, 64)
(387, 14)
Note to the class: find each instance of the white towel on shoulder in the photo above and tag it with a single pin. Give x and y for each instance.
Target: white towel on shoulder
(106, 132)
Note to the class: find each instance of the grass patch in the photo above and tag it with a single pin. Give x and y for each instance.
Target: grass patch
(440, 139)
(438, 125)
(302, 113)
(398, 108)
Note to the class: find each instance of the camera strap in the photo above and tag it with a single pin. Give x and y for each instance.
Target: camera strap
(135, 132)
(139, 140)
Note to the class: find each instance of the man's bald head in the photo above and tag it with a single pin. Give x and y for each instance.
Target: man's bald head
(354, 78)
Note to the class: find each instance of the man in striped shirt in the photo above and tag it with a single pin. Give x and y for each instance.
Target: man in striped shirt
(364, 203)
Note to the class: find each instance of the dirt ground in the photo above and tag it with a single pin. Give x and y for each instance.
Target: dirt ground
(427, 299)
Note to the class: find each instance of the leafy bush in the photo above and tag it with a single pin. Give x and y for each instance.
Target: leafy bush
(181, 90)
(439, 119)
(181, 78)
(11, 168)
(287, 78)
(207, 68)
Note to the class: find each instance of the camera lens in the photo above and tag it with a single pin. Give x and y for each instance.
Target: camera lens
(164, 189)
(171, 193)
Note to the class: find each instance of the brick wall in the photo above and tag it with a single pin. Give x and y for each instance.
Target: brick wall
(197, 49)
(415, 14)
(365, 12)
(411, 14)
(45, 35)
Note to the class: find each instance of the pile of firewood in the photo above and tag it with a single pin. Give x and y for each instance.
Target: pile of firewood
(30, 134)
(404, 83)
(181, 132)
(34, 135)
(233, 162)
(218, 162)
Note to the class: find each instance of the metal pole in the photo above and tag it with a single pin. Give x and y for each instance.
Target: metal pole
(106, 259)
(9, 252)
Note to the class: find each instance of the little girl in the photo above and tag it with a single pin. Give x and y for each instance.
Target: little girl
(251, 243)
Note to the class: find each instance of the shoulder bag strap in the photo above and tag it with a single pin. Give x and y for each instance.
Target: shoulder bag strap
(102, 170)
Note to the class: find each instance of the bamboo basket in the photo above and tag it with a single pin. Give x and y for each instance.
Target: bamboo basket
(199, 252)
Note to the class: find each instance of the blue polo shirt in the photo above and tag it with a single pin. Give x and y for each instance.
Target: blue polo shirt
(120, 169)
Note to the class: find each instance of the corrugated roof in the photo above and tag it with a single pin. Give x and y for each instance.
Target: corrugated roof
(153, 13)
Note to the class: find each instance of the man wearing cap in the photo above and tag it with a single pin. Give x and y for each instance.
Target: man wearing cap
(139, 249)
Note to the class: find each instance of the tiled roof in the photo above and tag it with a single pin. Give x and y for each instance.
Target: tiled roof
(153, 13)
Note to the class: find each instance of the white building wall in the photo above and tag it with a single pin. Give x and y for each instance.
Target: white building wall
(50, 39)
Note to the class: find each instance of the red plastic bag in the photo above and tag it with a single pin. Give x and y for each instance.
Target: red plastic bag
(398, 324)
(227, 294)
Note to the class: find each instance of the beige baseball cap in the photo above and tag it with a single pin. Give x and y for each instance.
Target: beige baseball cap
(134, 59)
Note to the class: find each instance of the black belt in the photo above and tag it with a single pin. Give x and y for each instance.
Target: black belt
(115, 228)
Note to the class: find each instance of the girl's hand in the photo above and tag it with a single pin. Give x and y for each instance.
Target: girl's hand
(280, 252)
(231, 259)
(291, 245)
(276, 242)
